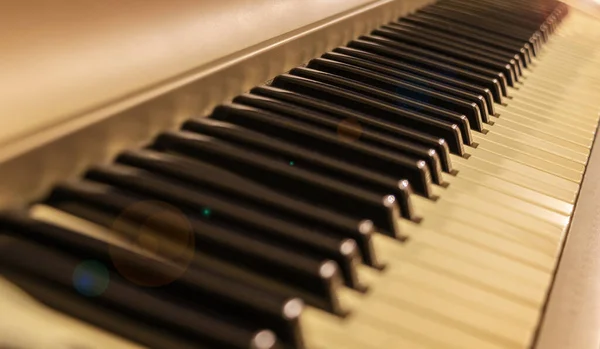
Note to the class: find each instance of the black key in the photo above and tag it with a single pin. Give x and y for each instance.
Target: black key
(43, 263)
(507, 14)
(392, 164)
(498, 21)
(469, 45)
(384, 96)
(398, 147)
(476, 36)
(203, 284)
(214, 179)
(415, 74)
(368, 122)
(304, 158)
(458, 63)
(229, 212)
(313, 188)
(489, 36)
(315, 279)
(423, 90)
(493, 84)
(449, 45)
(485, 26)
(386, 111)
(66, 301)
(451, 49)
(498, 17)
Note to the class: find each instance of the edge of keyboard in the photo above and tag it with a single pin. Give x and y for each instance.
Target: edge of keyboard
(572, 315)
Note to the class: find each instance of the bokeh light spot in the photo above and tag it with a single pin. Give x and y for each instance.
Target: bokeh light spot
(148, 243)
(158, 231)
(349, 130)
(91, 278)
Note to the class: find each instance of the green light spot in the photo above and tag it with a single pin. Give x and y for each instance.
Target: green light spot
(206, 212)
(292, 163)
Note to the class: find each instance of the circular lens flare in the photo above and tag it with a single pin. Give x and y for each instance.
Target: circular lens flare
(159, 231)
(91, 278)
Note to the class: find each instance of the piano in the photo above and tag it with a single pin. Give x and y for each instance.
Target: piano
(299, 174)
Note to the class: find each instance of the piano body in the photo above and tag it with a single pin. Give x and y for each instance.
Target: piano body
(299, 174)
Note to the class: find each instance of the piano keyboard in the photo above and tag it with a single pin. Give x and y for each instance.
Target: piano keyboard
(411, 189)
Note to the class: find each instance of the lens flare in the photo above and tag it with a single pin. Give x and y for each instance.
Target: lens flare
(159, 230)
(91, 278)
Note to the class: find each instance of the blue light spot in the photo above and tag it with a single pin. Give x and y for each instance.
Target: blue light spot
(91, 278)
(86, 281)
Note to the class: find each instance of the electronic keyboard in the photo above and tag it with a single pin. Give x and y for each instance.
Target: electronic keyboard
(309, 174)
